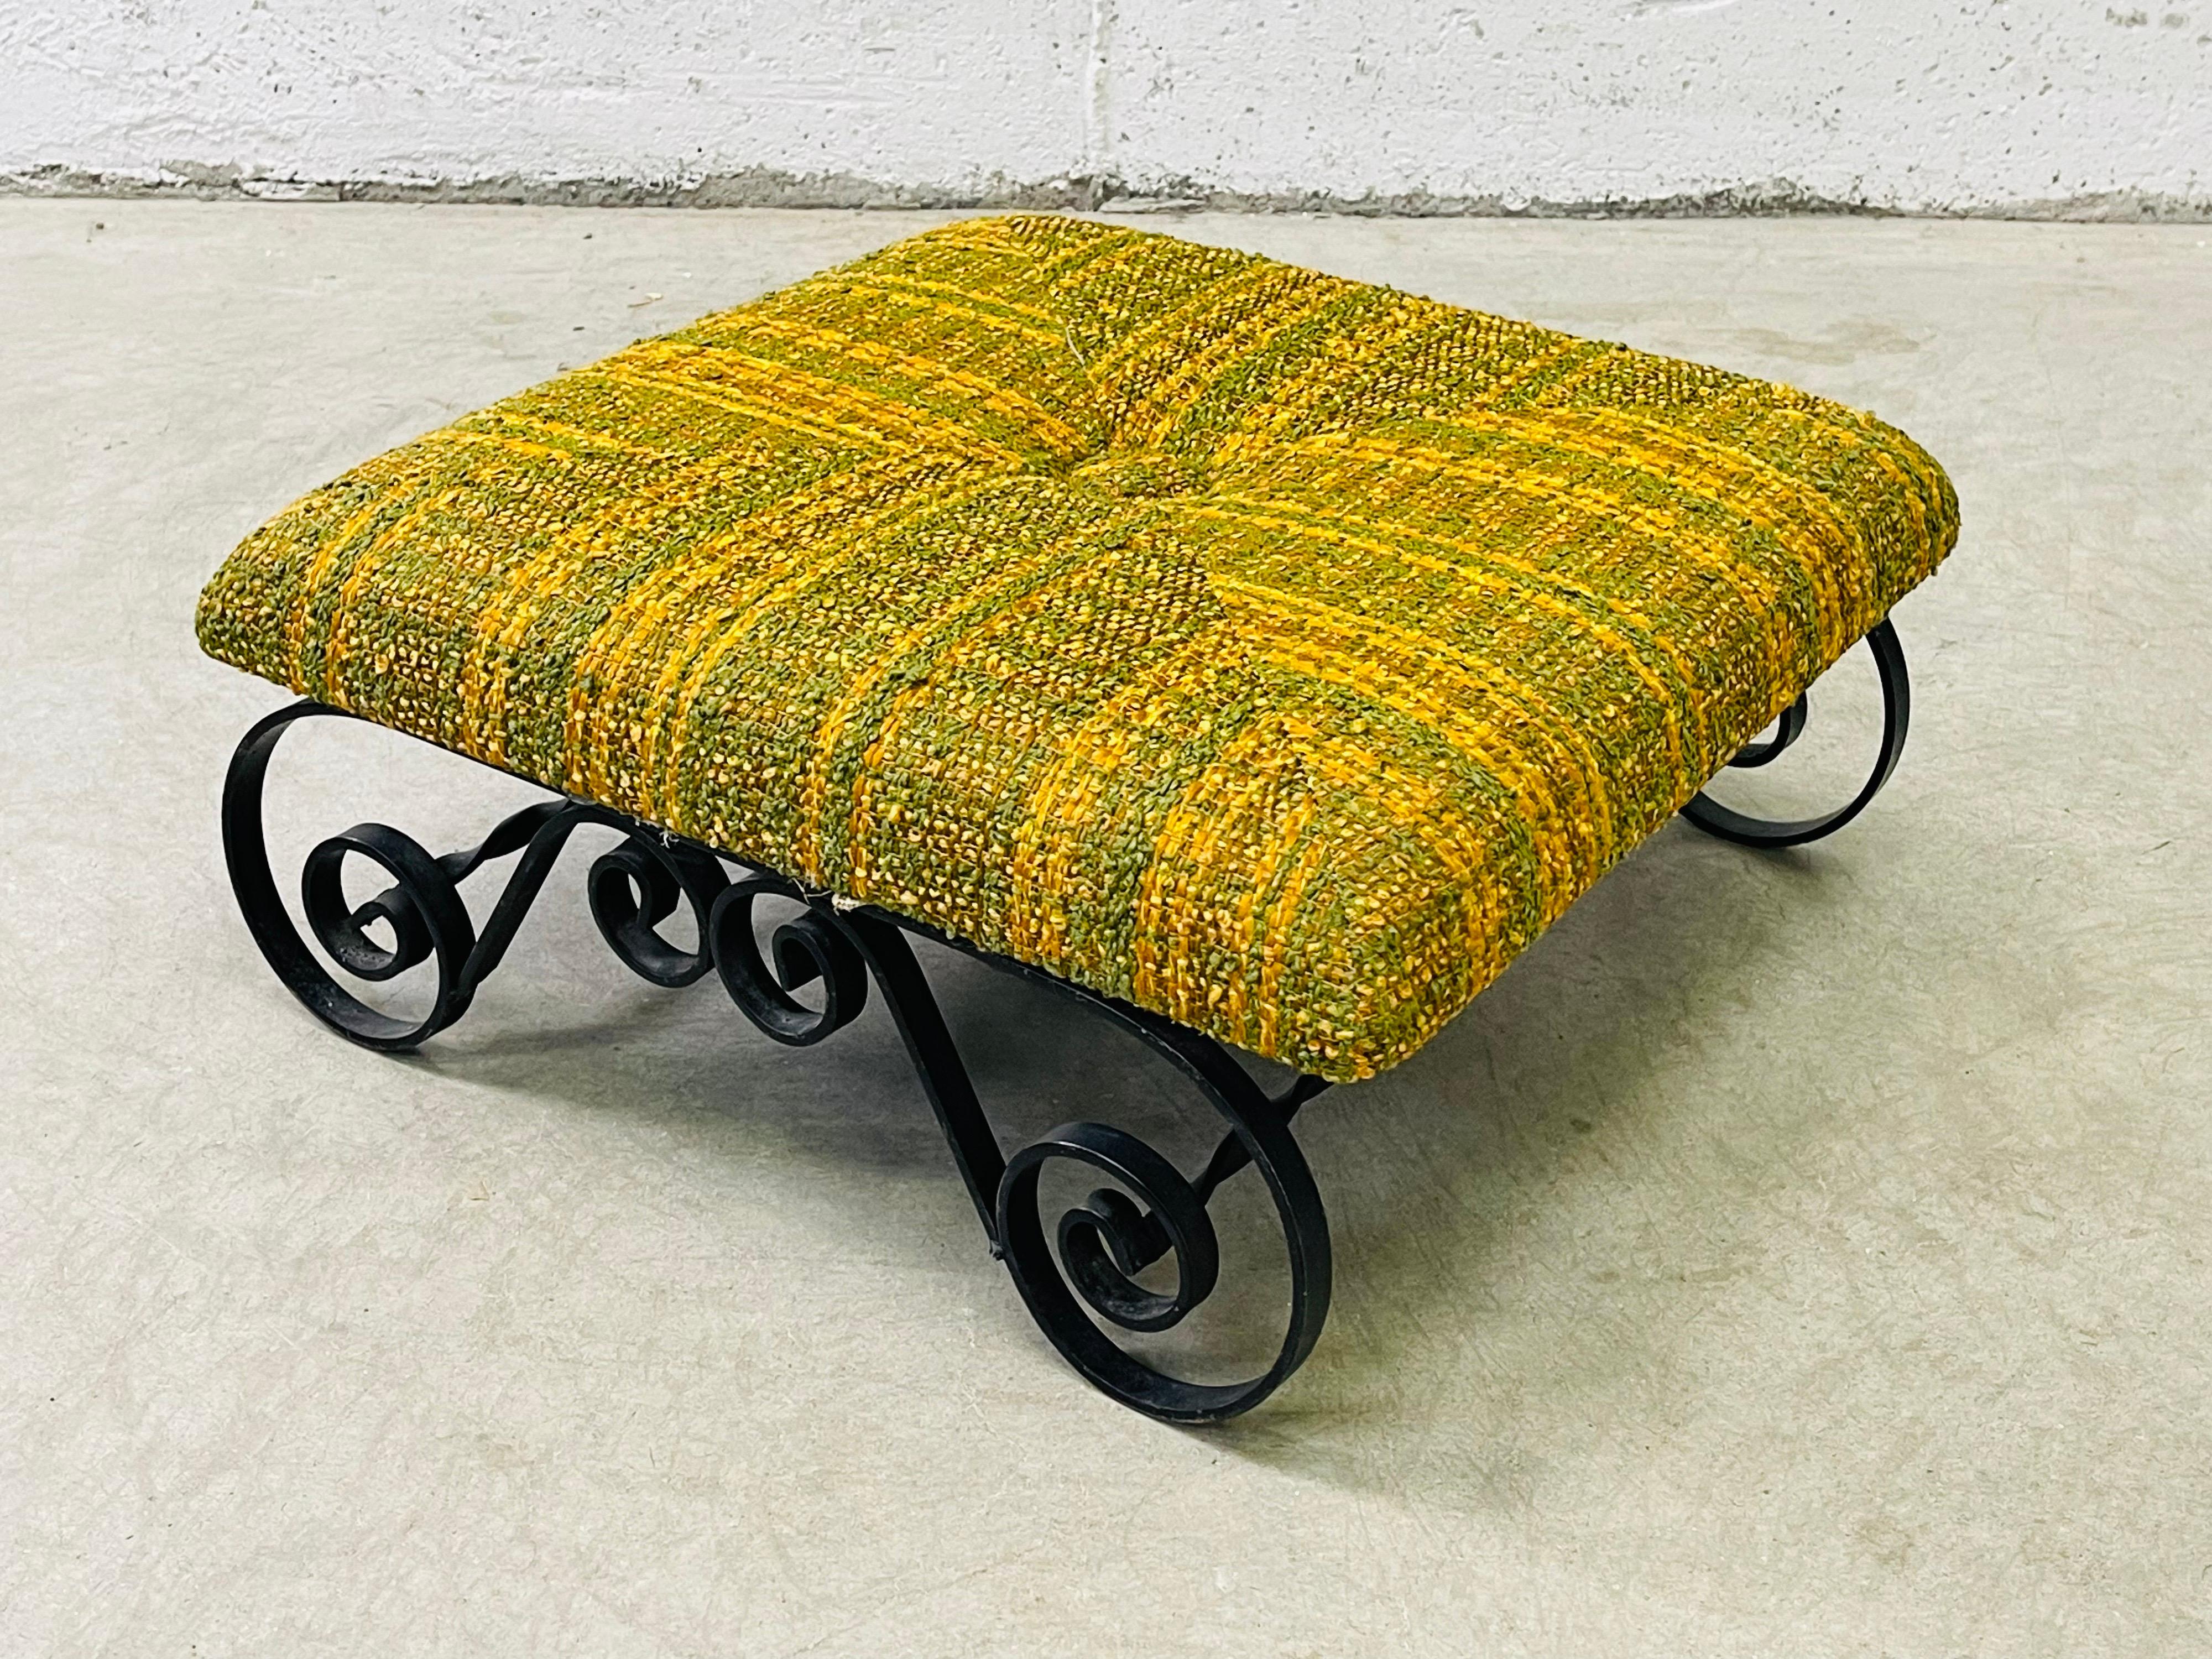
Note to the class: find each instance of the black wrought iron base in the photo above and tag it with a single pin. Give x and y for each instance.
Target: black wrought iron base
(1079, 1277)
(1089, 1260)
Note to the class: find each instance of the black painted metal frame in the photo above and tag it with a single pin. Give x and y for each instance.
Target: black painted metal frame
(1077, 1279)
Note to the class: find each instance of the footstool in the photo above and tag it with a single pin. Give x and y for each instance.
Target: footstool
(1260, 657)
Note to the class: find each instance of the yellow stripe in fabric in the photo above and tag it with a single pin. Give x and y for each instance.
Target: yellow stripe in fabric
(1401, 542)
(1478, 565)
(1700, 469)
(1290, 401)
(1264, 934)
(391, 538)
(1022, 647)
(1132, 342)
(1426, 813)
(1047, 844)
(999, 399)
(326, 556)
(1469, 724)
(847, 407)
(577, 436)
(886, 658)
(1159, 406)
(508, 619)
(1903, 464)
(1757, 587)
(760, 408)
(1170, 960)
(671, 612)
(731, 632)
(982, 309)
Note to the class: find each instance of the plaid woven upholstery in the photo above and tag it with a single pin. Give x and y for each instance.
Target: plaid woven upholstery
(1280, 653)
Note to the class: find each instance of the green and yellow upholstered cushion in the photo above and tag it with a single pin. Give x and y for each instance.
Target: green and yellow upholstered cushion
(1280, 653)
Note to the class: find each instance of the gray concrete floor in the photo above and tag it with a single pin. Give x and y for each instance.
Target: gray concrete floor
(1791, 1254)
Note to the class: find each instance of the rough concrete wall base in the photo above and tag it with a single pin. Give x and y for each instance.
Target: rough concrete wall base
(767, 187)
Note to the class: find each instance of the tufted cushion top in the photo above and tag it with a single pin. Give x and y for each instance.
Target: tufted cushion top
(1280, 653)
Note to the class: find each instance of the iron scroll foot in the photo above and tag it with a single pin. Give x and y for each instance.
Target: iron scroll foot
(1078, 1276)
(423, 910)
(1714, 820)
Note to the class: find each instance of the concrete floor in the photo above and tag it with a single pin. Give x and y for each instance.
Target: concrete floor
(1805, 1254)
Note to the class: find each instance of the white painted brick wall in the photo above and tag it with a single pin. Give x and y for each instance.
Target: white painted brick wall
(2068, 106)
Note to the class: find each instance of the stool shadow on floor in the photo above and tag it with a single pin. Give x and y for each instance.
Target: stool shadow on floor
(1511, 1203)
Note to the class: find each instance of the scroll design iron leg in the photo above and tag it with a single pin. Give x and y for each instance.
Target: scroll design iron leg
(1105, 1243)
(1092, 1256)
(1714, 820)
(422, 908)
(1088, 1260)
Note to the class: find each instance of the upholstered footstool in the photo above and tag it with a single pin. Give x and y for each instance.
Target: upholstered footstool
(1260, 657)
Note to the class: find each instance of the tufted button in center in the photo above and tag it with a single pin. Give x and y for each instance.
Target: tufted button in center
(1144, 472)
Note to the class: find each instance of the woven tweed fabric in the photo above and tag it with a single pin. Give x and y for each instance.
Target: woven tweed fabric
(1280, 653)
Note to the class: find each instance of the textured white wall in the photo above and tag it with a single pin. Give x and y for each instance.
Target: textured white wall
(946, 94)
(1915, 104)
(2068, 106)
